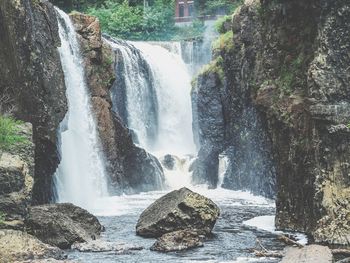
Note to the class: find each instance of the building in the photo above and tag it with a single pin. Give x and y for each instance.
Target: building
(184, 11)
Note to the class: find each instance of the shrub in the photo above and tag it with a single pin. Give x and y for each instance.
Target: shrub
(220, 24)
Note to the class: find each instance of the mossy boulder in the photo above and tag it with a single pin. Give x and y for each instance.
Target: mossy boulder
(178, 210)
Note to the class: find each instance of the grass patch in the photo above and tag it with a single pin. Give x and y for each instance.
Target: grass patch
(215, 66)
(224, 42)
(10, 132)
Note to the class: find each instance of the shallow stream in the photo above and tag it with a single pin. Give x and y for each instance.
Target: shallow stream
(232, 240)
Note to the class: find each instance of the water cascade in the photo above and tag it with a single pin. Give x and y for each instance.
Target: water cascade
(80, 177)
(153, 99)
(157, 89)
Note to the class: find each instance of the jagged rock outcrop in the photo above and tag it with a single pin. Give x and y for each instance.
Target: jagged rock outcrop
(62, 225)
(178, 210)
(16, 178)
(291, 59)
(130, 168)
(208, 126)
(17, 246)
(226, 123)
(32, 80)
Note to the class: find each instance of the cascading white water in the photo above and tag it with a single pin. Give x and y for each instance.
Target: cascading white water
(141, 102)
(173, 87)
(160, 89)
(80, 177)
(157, 87)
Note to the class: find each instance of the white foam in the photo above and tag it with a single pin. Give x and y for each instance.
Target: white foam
(134, 204)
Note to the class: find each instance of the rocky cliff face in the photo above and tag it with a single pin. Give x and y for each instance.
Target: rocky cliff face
(16, 179)
(130, 168)
(288, 63)
(32, 82)
(227, 124)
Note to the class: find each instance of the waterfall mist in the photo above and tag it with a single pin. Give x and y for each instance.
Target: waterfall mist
(80, 177)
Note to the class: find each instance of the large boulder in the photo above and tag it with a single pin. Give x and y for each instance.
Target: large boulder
(178, 240)
(18, 246)
(178, 210)
(62, 224)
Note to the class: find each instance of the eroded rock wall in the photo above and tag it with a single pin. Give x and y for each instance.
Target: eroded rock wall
(291, 58)
(32, 80)
(226, 122)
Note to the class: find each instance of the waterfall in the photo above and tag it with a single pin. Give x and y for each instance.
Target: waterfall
(80, 177)
(156, 89)
(173, 87)
(152, 96)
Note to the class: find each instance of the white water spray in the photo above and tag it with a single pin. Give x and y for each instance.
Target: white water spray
(173, 87)
(80, 177)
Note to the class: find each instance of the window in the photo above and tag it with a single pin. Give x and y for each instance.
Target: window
(181, 10)
(190, 9)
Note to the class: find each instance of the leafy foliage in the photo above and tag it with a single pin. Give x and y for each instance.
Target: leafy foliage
(220, 24)
(213, 7)
(135, 22)
(9, 132)
(146, 20)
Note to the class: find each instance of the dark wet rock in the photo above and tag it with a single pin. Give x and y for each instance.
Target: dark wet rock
(169, 161)
(32, 78)
(178, 240)
(16, 179)
(223, 124)
(208, 127)
(104, 246)
(20, 246)
(62, 225)
(308, 254)
(178, 210)
(130, 168)
(205, 170)
(144, 171)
